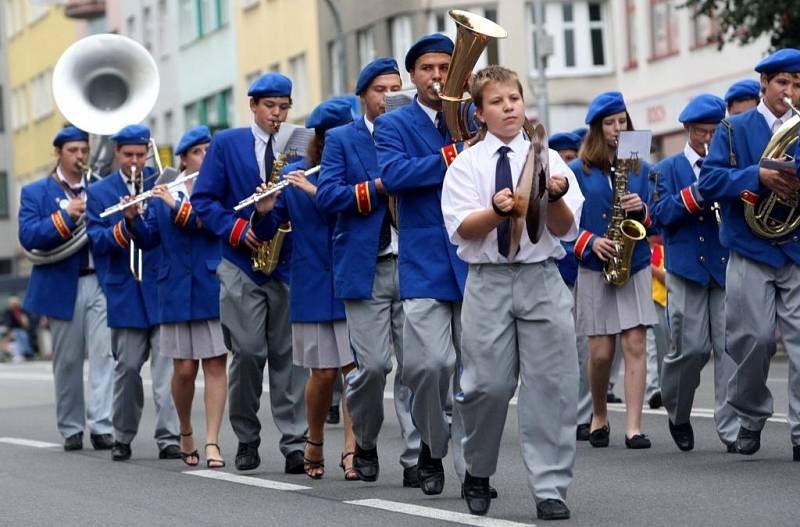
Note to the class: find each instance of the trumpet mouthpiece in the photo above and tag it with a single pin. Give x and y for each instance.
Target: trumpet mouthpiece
(437, 87)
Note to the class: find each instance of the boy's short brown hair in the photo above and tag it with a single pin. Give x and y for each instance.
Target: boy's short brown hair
(490, 74)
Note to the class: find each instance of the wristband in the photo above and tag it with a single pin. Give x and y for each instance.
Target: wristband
(552, 198)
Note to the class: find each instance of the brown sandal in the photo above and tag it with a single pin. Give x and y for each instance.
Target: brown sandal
(311, 465)
(212, 462)
(350, 474)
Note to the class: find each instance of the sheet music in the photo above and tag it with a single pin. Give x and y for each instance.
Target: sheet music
(634, 143)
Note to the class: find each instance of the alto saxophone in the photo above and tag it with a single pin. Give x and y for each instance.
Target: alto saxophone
(265, 258)
(623, 232)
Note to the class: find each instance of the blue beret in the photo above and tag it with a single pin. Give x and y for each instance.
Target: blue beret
(436, 43)
(133, 134)
(705, 108)
(69, 133)
(375, 68)
(271, 84)
(564, 141)
(784, 60)
(330, 114)
(196, 136)
(744, 89)
(581, 132)
(607, 103)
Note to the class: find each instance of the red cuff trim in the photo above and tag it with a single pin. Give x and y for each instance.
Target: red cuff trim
(238, 228)
(689, 202)
(119, 235)
(749, 197)
(182, 217)
(61, 225)
(450, 152)
(647, 219)
(581, 243)
(363, 200)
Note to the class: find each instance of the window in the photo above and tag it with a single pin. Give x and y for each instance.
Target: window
(14, 17)
(147, 29)
(153, 125)
(41, 98)
(580, 40)
(130, 26)
(437, 23)
(337, 82)
(702, 31)
(191, 115)
(366, 47)
(19, 108)
(401, 41)
(6, 266)
(162, 18)
(663, 28)
(247, 4)
(299, 74)
(2, 113)
(632, 49)
(4, 212)
(188, 22)
(168, 125)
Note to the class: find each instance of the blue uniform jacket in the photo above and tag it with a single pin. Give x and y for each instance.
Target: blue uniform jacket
(312, 298)
(596, 214)
(188, 287)
(568, 265)
(40, 216)
(691, 236)
(350, 158)
(725, 184)
(230, 174)
(130, 304)
(413, 168)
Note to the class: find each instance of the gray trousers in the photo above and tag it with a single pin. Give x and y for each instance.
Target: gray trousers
(255, 324)
(697, 324)
(86, 334)
(516, 324)
(131, 348)
(375, 327)
(757, 296)
(656, 348)
(584, 394)
(431, 368)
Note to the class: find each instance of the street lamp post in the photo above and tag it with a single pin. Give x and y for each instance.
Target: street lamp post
(342, 56)
(543, 47)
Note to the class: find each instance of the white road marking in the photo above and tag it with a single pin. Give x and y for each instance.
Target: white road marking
(27, 442)
(246, 480)
(436, 514)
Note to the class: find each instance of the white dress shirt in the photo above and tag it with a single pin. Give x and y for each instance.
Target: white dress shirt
(469, 186)
(773, 122)
(430, 112)
(692, 157)
(392, 247)
(69, 185)
(262, 139)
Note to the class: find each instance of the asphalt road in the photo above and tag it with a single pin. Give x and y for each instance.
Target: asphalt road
(40, 484)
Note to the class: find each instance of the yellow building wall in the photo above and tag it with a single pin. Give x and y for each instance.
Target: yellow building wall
(272, 32)
(30, 52)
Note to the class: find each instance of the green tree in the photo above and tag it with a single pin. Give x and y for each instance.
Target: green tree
(743, 21)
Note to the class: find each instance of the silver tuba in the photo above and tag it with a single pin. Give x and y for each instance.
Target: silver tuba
(100, 84)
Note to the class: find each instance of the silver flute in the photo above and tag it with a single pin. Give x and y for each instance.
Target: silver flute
(145, 195)
(258, 196)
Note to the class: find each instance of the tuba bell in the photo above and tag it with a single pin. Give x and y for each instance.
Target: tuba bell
(771, 216)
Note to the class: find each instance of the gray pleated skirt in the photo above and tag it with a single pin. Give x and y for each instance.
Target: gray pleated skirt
(196, 340)
(605, 309)
(321, 344)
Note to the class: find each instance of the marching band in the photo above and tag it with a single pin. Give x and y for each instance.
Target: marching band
(439, 247)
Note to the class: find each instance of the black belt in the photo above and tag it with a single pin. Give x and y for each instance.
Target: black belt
(387, 256)
(86, 272)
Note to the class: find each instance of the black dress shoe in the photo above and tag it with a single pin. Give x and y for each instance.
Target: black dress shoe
(294, 463)
(796, 453)
(748, 441)
(582, 432)
(475, 492)
(552, 510)
(170, 452)
(683, 435)
(247, 457)
(365, 462)
(333, 415)
(120, 451)
(410, 477)
(637, 442)
(730, 448)
(599, 438)
(430, 471)
(655, 401)
(74, 442)
(611, 398)
(102, 441)
(492, 492)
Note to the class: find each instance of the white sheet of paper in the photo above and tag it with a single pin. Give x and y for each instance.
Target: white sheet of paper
(635, 143)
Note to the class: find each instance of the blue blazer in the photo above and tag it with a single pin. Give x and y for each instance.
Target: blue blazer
(312, 297)
(350, 158)
(130, 304)
(691, 237)
(188, 287)
(725, 184)
(596, 214)
(230, 174)
(412, 168)
(40, 200)
(568, 265)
